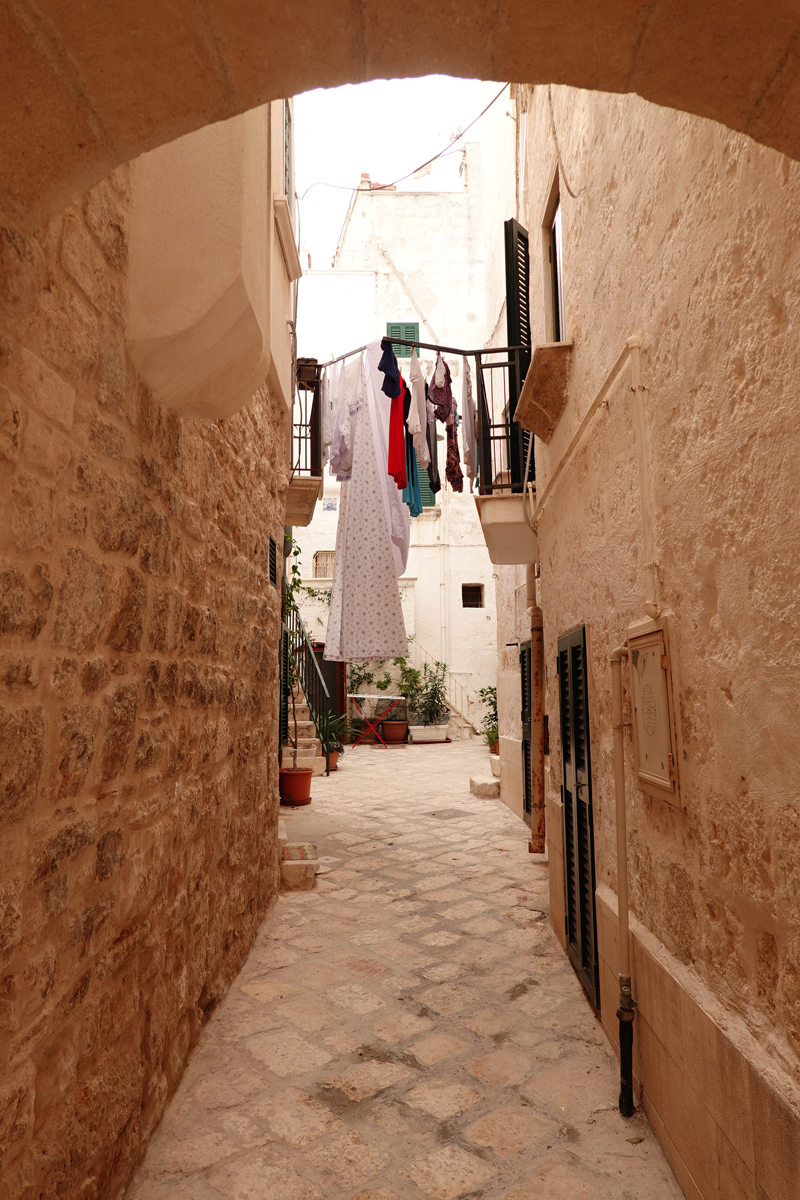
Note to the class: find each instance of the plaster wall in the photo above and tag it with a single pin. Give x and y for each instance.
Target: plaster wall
(198, 283)
(138, 710)
(687, 234)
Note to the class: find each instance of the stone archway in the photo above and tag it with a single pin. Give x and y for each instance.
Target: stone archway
(87, 87)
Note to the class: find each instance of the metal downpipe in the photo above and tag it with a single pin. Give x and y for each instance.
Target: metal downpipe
(627, 1005)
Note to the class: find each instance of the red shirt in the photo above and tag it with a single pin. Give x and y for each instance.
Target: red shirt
(397, 439)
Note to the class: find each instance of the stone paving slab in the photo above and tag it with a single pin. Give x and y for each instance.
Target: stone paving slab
(410, 1029)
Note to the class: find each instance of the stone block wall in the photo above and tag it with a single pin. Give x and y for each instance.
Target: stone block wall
(138, 712)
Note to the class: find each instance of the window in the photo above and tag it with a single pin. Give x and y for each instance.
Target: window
(472, 595)
(427, 496)
(323, 564)
(556, 282)
(408, 331)
(273, 561)
(288, 155)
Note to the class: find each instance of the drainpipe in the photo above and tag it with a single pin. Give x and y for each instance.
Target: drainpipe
(650, 606)
(627, 1005)
(537, 842)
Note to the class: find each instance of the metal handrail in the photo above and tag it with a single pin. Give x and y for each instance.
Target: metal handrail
(308, 675)
(458, 697)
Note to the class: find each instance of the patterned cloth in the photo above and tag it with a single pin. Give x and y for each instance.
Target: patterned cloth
(452, 472)
(440, 392)
(366, 618)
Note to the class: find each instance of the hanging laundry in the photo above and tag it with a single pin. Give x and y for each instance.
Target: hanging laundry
(366, 618)
(397, 515)
(351, 394)
(391, 369)
(417, 423)
(433, 453)
(411, 493)
(452, 471)
(326, 393)
(469, 434)
(397, 439)
(440, 392)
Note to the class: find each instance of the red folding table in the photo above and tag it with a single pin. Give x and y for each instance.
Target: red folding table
(372, 725)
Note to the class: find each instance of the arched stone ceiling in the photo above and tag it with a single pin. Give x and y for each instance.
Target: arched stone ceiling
(87, 85)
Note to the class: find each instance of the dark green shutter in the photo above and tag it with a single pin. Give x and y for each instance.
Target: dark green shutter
(518, 326)
(408, 331)
(576, 795)
(525, 679)
(428, 498)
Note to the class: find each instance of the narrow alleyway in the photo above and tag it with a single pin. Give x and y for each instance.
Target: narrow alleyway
(409, 1029)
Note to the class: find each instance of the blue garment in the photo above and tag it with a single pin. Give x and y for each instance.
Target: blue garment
(411, 493)
(391, 386)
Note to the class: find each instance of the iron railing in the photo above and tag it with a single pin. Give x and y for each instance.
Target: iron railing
(299, 665)
(307, 420)
(502, 442)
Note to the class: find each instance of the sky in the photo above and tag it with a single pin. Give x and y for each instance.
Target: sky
(386, 128)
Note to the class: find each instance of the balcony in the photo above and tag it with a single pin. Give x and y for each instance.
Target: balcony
(305, 487)
(506, 467)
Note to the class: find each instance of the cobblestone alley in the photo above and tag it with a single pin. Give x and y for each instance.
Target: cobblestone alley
(409, 1029)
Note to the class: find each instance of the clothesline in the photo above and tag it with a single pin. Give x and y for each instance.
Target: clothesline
(427, 346)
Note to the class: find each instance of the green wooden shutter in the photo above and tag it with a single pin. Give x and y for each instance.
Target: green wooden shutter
(576, 794)
(525, 715)
(408, 331)
(518, 326)
(428, 497)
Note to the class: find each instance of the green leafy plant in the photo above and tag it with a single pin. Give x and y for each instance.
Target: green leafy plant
(359, 676)
(337, 730)
(490, 725)
(430, 706)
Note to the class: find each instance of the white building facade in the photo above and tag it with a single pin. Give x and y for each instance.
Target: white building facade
(417, 260)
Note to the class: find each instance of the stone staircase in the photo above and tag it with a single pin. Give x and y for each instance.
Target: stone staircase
(309, 747)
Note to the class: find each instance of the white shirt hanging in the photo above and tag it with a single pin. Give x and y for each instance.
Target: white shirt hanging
(417, 413)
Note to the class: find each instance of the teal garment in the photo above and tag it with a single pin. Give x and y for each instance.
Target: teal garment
(411, 492)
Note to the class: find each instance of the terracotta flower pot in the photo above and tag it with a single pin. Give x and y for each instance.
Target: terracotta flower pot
(494, 748)
(295, 785)
(333, 760)
(394, 731)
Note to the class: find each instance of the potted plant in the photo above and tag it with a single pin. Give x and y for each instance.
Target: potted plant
(490, 725)
(294, 782)
(396, 727)
(429, 709)
(337, 733)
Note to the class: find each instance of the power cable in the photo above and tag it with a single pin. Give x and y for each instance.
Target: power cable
(382, 187)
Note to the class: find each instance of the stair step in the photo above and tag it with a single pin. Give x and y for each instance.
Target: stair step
(485, 789)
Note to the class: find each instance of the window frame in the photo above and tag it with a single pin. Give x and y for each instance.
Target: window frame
(316, 561)
(481, 591)
(553, 265)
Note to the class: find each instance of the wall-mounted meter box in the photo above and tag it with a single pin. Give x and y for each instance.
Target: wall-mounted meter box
(653, 730)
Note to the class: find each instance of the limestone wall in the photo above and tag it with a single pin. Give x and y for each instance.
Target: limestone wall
(138, 705)
(687, 234)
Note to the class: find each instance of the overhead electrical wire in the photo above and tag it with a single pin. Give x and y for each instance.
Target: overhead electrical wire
(382, 187)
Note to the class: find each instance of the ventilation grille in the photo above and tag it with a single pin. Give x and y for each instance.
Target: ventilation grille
(273, 561)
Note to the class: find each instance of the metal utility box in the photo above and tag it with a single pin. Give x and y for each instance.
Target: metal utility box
(652, 714)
